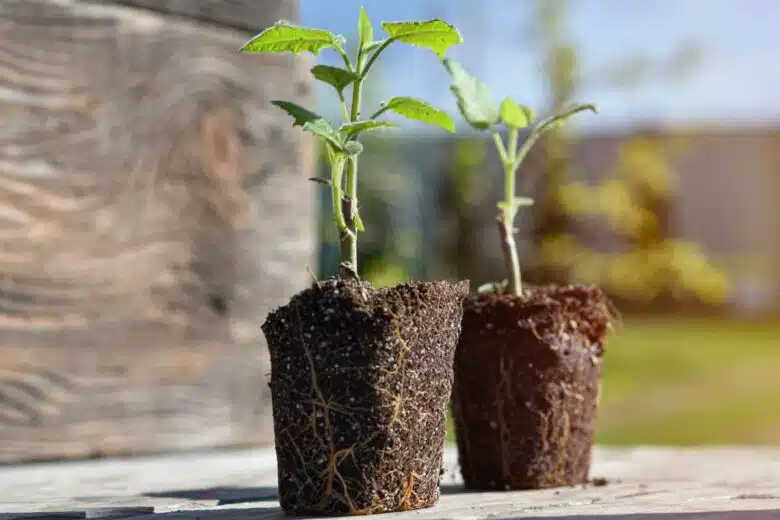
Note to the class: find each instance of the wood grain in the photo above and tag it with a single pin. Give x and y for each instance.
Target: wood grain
(153, 211)
(640, 483)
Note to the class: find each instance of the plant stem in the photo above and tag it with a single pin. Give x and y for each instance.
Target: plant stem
(507, 215)
(349, 261)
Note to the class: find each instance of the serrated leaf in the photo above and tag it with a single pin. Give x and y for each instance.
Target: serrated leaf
(474, 99)
(358, 127)
(336, 76)
(436, 35)
(514, 115)
(318, 180)
(286, 37)
(365, 29)
(353, 148)
(560, 118)
(311, 122)
(419, 110)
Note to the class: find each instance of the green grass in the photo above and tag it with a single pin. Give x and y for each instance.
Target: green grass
(691, 381)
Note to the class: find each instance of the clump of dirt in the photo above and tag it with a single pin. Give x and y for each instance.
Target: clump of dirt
(361, 380)
(527, 381)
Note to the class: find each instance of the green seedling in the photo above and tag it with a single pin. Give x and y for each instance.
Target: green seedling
(342, 143)
(477, 107)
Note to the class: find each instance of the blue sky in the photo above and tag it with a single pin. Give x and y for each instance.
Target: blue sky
(736, 80)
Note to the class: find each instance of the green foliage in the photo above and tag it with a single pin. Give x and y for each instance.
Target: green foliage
(478, 109)
(435, 35)
(286, 37)
(474, 99)
(419, 110)
(514, 115)
(311, 122)
(342, 146)
(337, 77)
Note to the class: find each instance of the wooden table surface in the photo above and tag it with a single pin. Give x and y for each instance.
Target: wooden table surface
(641, 483)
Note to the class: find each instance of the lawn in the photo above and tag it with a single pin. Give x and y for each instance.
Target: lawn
(691, 381)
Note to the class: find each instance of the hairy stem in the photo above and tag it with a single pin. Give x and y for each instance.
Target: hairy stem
(506, 217)
(349, 261)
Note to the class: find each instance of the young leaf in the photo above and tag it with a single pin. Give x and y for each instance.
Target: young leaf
(474, 99)
(353, 148)
(436, 35)
(311, 122)
(420, 111)
(558, 119)
(514, 115)
(365, 30)
(337, 77)
(357, 127)
(286, 37)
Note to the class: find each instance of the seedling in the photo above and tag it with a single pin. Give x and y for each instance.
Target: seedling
(342, 143)
(477, 107)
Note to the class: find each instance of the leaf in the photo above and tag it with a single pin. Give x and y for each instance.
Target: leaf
(353, 148)
(357, 127)
(365, 29)
(286, 37)
(558, 119)
(311, 122)
(318, 180)
(436, 35)
(336, 76)
(419, 110)
(514, 115)
(474, 99)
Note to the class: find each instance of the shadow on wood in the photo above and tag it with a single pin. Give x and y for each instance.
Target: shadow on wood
(153, 211)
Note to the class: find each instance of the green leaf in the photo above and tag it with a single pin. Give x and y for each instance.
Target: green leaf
(558, 119)
(336, 76)
(514, 115)
(353, 148)
(420, 111)
(286, 37)
(365, 29)
(318, 180)
(311, 122)
(436, 35)
(474, 99)
(357, 127)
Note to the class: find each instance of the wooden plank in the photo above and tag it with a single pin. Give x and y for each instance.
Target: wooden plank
(152, 214)
(651, 483)
(249, 15)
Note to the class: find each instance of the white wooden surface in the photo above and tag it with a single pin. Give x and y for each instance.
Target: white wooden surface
(643, 483)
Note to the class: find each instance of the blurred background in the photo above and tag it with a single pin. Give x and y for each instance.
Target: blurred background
(154, 207)
(669, 198)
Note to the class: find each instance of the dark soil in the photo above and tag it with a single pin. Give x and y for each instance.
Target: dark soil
(361, 380)
(527, 376)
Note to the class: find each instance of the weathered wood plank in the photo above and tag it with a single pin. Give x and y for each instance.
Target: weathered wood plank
(241, 14)
(652, 483)
(152, 211)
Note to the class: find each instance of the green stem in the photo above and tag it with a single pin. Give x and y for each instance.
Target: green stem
(349, 259)
(507, 215)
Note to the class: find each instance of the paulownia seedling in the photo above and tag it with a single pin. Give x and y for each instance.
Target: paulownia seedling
(478, 108)
(342, 143)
